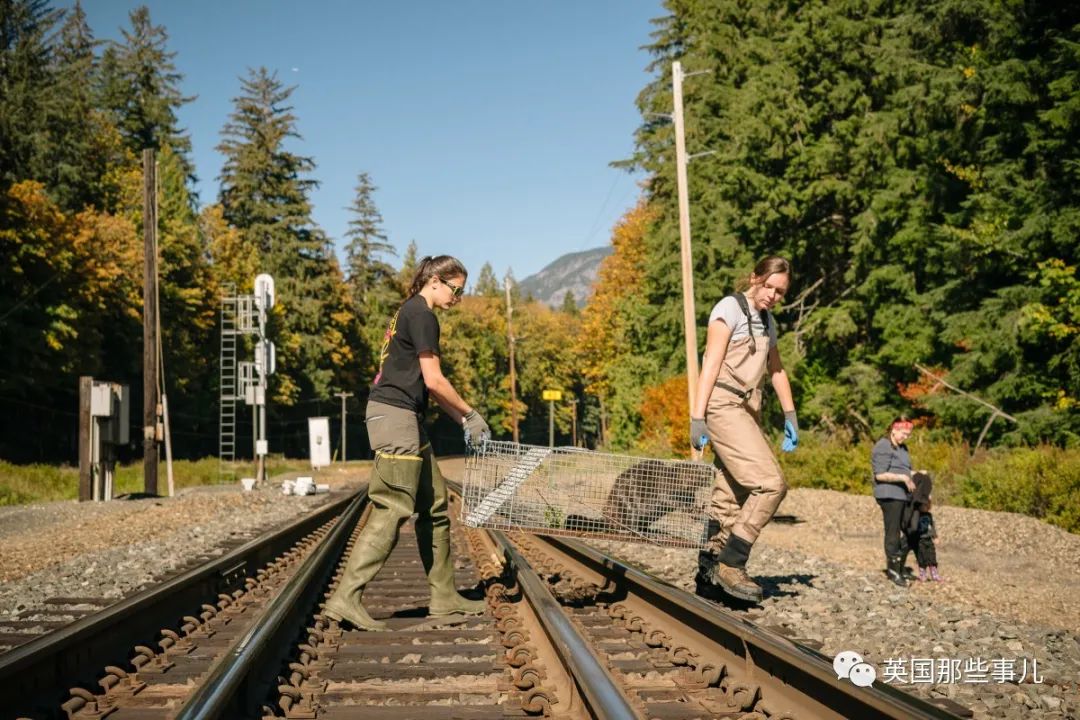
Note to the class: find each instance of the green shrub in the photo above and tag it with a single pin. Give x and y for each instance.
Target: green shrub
(828, 464)
(1043, 482)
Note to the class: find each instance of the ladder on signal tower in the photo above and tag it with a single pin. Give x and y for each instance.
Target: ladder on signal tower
(227, 386)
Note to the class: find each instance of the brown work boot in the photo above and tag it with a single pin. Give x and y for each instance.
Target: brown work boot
(736, 583)
(705, 580)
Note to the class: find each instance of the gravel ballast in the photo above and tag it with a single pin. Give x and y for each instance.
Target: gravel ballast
(1010, 591)
(111, 550)
(1008, 599)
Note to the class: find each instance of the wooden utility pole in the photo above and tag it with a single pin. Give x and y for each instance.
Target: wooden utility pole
(573, 421)
(343, 395)
(513, 373)
(150, 364)
(603, 423)
(86, 487)
(689, 322)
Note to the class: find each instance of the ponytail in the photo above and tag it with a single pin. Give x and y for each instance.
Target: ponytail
(440, 266)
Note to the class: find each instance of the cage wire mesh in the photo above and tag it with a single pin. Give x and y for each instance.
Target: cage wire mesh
(583, 493)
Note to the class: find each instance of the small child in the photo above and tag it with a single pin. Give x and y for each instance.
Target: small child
(925, 551)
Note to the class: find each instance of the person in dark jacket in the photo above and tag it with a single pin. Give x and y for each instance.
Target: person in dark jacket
(922, 528)
(893, 488)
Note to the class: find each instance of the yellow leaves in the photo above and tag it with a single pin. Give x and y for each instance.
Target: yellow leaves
(983, 235)
(598, 343)
(110, 253)
(60, 329)
(80, 264)
(340, 352)
(233, 260)
(969, 72)
(1064, 402)
(664, 410)
(971, 174)
(1058, 316)
(36, 211)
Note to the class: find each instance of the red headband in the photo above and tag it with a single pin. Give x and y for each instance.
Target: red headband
(903, 425)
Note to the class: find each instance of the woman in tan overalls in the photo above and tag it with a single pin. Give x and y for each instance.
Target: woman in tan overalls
(740, 350)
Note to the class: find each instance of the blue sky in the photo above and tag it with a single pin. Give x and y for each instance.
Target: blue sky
(487, 126)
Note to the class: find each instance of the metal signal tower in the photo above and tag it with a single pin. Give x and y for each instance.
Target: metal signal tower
(244, 380)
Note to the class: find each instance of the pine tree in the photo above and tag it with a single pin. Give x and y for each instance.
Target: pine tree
(372, 280)
(83, 143)
(25, 86)
(486, 284)
(408, 268)
(264, 195)
(140, 86)
(902, 156)
(569, 304)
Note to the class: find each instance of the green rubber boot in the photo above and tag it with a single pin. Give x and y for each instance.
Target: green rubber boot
(392, 492)
(433, 537)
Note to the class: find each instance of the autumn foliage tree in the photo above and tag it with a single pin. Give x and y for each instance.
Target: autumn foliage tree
(613, 369)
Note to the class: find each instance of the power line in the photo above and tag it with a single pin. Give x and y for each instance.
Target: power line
(26, 299)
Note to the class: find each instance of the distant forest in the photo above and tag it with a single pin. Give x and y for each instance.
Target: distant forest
(918, 162)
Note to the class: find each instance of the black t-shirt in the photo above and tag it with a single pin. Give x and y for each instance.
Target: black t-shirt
(413, 330)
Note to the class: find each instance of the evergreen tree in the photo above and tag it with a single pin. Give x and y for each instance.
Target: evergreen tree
(25, 87)
(188, 299)
(569, 304)
(515, 289)
(372, 280)
(264, 195)
(408, 268)
(82, 142)
(895, 153)
(140, 87)
(486, 284)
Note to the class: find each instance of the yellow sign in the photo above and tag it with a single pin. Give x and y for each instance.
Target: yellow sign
(553, 394)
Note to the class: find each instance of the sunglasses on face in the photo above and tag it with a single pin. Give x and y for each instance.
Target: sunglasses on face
(457, 291)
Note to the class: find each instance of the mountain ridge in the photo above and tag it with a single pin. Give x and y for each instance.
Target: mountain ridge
(573, 272)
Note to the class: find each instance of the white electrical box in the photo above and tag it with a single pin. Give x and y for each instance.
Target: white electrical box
(112, 403)
(101, 400)
(319, 441)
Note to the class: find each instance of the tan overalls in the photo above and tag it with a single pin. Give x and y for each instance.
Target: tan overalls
(752, 484)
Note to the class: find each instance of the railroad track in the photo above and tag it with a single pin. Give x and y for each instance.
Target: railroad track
(568, 632)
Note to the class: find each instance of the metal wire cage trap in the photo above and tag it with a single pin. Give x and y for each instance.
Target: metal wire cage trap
(583, 493)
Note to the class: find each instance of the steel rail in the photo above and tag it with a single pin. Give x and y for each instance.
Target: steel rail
(603, 695)
(41, 672)
(802, 668)
(233, 685)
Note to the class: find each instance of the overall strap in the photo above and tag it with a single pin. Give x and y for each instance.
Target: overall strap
(745, 307)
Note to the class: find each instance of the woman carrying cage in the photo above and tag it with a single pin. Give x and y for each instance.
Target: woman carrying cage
(740, 350)
(406, 478)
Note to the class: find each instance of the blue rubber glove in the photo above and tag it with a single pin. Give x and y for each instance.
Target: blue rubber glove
(791, 432)
(699, 433)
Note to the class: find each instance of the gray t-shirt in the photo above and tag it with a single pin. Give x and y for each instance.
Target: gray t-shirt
(886, 458)
(729, 311)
